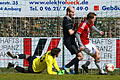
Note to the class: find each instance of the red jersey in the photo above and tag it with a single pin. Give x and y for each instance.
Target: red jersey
(84, 31)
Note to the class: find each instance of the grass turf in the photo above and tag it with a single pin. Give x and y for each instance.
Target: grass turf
(11, 74)
(23, 76)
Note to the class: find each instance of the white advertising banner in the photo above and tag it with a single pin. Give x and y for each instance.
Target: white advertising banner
(16, 45)
(107, 47)
(13, 44)
(57, 8)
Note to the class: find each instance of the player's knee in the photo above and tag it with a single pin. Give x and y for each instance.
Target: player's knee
(97, 55)
(97, 58)
(80, 58)
(98, 52)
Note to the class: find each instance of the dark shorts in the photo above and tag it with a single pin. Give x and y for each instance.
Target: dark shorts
(30, 60)
(73, 48)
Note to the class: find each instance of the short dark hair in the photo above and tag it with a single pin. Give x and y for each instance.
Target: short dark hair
(55, 51)
(91, 15)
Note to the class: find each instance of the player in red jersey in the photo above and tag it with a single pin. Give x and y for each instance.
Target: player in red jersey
(83, 36)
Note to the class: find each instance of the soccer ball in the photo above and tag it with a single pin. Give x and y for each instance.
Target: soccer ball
(109, 67)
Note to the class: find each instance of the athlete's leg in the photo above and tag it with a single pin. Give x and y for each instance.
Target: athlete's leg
(88, 49)
(97, 62)
(85, 66)
(23, 56)
(18, 68)
(21, 69)
(30, 60)
(19, 56)
(74, 50)
(79, 57)
(96, 55)
(71, 63)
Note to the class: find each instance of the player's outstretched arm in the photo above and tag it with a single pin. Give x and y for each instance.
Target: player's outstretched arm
(96, 29)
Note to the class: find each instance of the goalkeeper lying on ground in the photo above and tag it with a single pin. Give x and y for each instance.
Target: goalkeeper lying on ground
(37, 65)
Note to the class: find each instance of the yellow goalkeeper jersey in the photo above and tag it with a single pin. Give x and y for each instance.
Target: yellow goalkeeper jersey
(45, 62)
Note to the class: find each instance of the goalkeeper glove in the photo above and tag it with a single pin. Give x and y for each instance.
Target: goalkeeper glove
(61, 72)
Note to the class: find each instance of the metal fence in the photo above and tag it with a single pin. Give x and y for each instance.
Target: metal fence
(52, 27)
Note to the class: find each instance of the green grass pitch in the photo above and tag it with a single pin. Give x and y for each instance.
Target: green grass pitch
(10, 74)
(22, 76)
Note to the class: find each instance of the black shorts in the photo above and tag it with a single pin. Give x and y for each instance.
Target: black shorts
(30, 60)
(73, 48)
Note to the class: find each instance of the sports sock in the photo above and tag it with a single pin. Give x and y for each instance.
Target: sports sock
(97, 63)
(73, 61)
(15, 57)
(21, 69)
(76, 68)
(88, 62)
(15, 65)
(22, 56)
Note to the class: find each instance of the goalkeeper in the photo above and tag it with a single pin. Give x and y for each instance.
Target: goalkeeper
(37, 64)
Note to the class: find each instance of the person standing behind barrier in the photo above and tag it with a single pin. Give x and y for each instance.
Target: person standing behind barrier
(69, 40)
